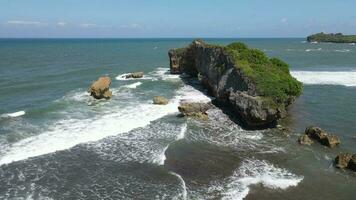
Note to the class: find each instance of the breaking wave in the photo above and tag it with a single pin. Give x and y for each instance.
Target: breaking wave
(15, 114)
(253, 172)
(345, 78)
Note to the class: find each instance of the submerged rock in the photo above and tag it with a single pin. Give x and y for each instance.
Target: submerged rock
(342, 160)
(218, 69)
(159, 100)
(352, 163)
(322, 136)
(194, 109)
(305, 139)
(135, 75)
(100, 88)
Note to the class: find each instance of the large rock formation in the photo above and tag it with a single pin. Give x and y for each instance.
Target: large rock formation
(222, 75)
(100, 88)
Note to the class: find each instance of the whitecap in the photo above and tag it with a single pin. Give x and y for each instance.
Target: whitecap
(343, 50)
(309, 50)
(122, 77)
(67, 133)
(14, 114)
(182, 131)
(133, 85)
(253, 172)
(183, 185)
(345, 78)
(162, 157)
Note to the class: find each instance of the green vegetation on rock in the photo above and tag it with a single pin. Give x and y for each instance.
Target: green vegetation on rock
(271, 75)
(335, 38)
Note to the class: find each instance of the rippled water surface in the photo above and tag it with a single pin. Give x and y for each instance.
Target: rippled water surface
(58, 143)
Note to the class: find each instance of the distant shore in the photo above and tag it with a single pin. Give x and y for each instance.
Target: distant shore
(332, 37)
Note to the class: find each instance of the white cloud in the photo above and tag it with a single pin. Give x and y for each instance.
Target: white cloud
(18, 22)
(87, 25)
(62, 23)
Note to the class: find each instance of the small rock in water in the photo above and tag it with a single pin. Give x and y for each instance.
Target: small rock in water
(352, 163)
(305, 139)
(135, 75)
(342, 160)
(100, 88)
(194, 109)
(159, 100)
(322, 136)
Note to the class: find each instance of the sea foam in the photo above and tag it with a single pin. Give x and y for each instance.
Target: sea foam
(253, 172)
(345, 78)
(15, 114)
(67, 133)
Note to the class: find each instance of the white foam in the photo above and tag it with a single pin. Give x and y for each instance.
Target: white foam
(133, 85)
(163, 73)
(343, 50)
(122, 77)
(345, 78)
(15, 114)
(253, 172)
(182, 132)
(67, 133)
(190, 94)
(162, 157)
(182, 182)
(308, 50)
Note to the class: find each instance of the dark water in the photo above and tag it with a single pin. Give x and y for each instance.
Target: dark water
(58, 143)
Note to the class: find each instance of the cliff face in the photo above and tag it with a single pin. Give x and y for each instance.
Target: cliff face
(218, 72)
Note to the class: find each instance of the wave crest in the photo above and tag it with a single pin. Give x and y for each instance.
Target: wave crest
(345, 78)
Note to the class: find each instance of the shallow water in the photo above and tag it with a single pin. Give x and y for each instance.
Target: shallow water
(58, 143)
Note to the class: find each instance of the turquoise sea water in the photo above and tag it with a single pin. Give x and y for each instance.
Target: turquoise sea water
(58, 143)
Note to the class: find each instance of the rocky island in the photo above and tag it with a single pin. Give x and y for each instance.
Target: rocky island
(256, 88)
(332, 37)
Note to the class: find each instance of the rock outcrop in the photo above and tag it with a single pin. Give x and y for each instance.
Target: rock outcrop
(305, 140)
(135, 75)
(322, 137)
(346, 161)
(159, 100)
(342, 160)
(225, 79)
(100, 88)
(194, 109)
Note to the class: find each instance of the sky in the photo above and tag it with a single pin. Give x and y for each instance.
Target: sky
(174, 18)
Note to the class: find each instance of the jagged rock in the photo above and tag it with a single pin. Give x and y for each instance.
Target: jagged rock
(331, 141)
(159, 100)
(352, 163)
(342, 160)
(218, 72)
(322, 137)
(194, 109)
(134, 75)
(305, 139)
(100, 88)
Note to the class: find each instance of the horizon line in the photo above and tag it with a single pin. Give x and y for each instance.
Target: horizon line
(152, 37)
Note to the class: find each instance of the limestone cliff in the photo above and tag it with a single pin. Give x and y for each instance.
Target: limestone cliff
(221, 74)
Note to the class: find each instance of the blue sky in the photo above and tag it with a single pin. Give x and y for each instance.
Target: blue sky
(175, 18)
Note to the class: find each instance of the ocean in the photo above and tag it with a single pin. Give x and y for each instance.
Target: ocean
(56, 142)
